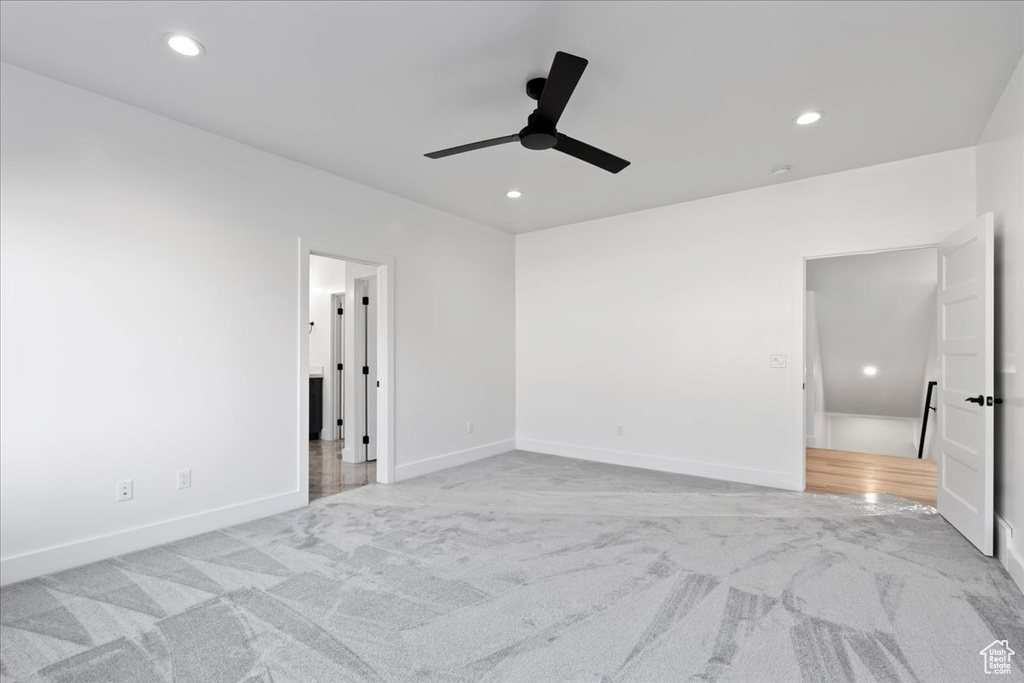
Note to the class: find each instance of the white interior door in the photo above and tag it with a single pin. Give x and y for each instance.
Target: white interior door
(338, 365)
(366, 383)
(371, 359)
(966, 319)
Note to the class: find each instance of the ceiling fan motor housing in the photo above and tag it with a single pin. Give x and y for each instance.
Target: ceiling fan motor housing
(538, 134)
(534, 87)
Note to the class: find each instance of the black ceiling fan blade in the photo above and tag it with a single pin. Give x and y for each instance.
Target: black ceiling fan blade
(565, 73)
(591, 155)
(473, 145)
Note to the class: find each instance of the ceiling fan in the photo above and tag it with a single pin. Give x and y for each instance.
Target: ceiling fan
(552, 94)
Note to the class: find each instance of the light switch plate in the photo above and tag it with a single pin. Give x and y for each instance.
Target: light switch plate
(778, 360)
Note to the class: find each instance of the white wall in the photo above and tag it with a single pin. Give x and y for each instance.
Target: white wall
(874, 434)
(677, 352)
(326, 277)
(149, 275)
(1000, 163)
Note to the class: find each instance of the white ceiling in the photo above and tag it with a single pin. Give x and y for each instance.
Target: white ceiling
(699, 96)
(879, 310)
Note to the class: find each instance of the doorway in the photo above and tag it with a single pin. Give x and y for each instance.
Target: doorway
(962, 441)
(346, 351)
(871, 366)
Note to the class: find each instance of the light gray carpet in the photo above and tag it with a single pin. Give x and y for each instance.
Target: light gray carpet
(525, 567)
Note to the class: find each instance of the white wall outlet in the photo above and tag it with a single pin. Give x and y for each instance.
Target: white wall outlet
(184, 479)
(469, 427)
(125, 490)
(778, 360)
(619, 431)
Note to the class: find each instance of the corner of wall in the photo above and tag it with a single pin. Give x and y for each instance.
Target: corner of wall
(446, 460)
(646, 461)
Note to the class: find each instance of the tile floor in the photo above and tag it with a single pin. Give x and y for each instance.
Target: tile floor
(328, 474)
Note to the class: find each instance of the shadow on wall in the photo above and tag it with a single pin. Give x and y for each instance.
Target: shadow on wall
(872, 349)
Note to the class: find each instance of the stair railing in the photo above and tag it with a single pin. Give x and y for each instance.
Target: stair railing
(924, 420)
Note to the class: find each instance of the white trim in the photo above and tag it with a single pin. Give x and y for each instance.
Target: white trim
(443, 462)
(661, 463)
(1015, 566)
(385, 264)
(861, 245)
(876, 417)
(77, 553)
(364, 286)
(1014, 562)
(337, 388)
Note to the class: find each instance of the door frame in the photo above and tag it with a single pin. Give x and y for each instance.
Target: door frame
(385, 265)
(362, 287)
(865, 245)
(337, 357)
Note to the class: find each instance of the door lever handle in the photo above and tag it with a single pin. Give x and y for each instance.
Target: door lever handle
(979, 399)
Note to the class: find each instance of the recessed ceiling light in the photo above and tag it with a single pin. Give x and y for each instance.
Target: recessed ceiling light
(870, 370)
(808, 117)
(513, 194)
(183, 45)
(781, 170)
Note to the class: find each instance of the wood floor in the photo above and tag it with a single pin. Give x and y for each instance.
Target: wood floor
(845, 472)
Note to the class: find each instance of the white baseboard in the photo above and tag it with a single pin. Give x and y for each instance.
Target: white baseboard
(58, 558)
(1015, 565)
(661, 463)
(443, 462)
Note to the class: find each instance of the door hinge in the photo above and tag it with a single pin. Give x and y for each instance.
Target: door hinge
(366, 440)
(341, 366)
(366, 301)
(366, 369)
(378, 383)
(340, 422)
(341, 311)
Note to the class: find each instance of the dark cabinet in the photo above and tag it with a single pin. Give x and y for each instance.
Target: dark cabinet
(316, 407)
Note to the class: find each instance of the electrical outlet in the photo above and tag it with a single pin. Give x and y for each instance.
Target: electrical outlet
(778, 360)
(619, 431)
(184, 479)
(469, 427)
(125, 490)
